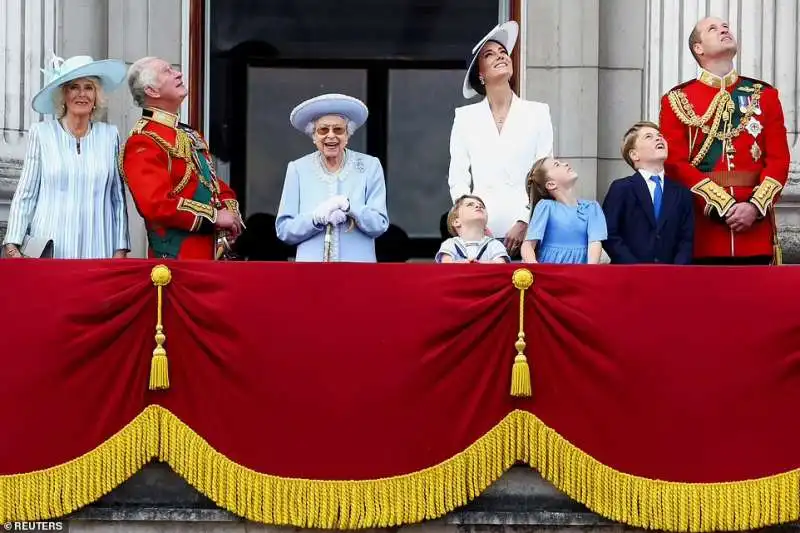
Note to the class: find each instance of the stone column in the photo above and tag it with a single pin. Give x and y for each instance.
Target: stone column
(562, 70)
(621, 87)
(768, 36)
(27, 37)
(586, 59)
(136, 29)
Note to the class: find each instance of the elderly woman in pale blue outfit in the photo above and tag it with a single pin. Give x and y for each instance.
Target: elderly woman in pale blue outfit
(70, 193)
(333, 205)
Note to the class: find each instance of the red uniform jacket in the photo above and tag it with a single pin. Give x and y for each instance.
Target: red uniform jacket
(728, 144)
(169, 171)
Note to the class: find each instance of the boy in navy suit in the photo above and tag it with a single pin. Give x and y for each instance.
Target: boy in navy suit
(650, 217)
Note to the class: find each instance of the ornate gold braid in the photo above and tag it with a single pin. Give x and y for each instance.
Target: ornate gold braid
(182, 150)
(120, 163)
(721, 108)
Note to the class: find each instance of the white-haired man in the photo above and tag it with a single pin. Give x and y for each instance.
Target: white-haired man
(188, 212)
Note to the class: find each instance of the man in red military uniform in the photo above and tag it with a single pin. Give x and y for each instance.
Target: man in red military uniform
(168, 168)
(728, 144)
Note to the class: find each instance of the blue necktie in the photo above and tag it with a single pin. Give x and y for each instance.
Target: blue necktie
(658, 195)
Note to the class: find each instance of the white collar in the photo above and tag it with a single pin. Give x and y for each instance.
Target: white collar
(646, 174)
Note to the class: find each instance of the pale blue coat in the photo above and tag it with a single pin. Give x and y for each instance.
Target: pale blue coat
(307, 185)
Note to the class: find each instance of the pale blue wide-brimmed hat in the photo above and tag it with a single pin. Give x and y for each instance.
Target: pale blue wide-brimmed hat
(329, 104)
(110, 72)
(505, 34)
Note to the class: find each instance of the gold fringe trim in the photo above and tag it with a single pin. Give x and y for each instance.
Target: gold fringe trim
(435, 491)
(406, 499)
(62, 489)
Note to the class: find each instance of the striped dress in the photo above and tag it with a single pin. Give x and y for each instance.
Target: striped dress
(75, 199)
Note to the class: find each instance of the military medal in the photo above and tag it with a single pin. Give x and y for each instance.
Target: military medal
(755, 151)
(754, 127)
(744, 103)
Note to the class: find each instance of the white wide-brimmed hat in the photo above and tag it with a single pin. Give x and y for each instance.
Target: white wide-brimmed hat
(110, 72)
(329, 104)
(505, 34)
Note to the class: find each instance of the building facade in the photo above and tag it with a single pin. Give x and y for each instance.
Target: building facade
(600, 65)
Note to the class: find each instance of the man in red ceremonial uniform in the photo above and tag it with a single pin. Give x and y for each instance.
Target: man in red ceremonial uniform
(170, 173)
(728, 144)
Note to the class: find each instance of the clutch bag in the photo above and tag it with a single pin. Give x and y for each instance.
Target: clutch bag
(35, 247)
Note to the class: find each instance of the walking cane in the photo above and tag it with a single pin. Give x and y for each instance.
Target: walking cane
(326, 257)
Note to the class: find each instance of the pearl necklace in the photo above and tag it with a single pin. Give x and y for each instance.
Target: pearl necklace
(328, 176)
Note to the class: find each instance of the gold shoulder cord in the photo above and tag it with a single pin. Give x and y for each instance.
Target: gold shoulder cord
(182, 150)
(721, 109)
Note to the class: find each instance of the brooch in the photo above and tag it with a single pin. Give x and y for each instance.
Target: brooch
(755, 151)
(360, 165)
(754, 127)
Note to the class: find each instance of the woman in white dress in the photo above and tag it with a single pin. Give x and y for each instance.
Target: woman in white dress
(70, 191)
(494, 142)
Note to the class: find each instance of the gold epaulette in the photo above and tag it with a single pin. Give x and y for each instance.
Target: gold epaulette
(136, 130)
(138, 127)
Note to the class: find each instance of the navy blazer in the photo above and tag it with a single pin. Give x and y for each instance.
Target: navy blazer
(634, 235)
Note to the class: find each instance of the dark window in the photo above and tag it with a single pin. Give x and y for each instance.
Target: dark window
(405, 58)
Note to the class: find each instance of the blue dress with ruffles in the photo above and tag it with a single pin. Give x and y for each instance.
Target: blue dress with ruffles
(564, 232)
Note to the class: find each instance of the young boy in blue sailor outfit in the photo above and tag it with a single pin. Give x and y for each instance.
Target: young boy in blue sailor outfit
(467, 223)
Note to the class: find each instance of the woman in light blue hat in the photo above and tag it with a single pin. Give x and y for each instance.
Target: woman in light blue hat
(70, 192)
(333, 205)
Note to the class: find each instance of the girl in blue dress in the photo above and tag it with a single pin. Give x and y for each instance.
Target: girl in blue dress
(563, 229)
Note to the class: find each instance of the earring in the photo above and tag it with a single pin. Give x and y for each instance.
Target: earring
(483, 82)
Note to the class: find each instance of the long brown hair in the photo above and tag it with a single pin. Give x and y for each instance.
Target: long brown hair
(535, 184)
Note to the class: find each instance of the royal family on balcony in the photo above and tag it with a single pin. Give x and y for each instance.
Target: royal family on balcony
(703, 189)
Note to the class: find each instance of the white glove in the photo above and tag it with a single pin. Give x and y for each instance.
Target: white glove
(321, 213)
(324, 209)
(337, 217)
(341, 202)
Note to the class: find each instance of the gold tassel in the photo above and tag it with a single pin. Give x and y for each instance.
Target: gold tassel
(777, 252)
(159, 368)
(520, 373)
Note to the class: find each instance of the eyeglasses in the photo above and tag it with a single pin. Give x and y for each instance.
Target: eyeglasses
(337, 130)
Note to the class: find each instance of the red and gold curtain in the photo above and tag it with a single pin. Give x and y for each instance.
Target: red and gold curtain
(354, 396)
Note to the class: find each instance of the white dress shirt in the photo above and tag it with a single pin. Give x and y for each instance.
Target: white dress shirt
(494, 165)
(651, 184)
